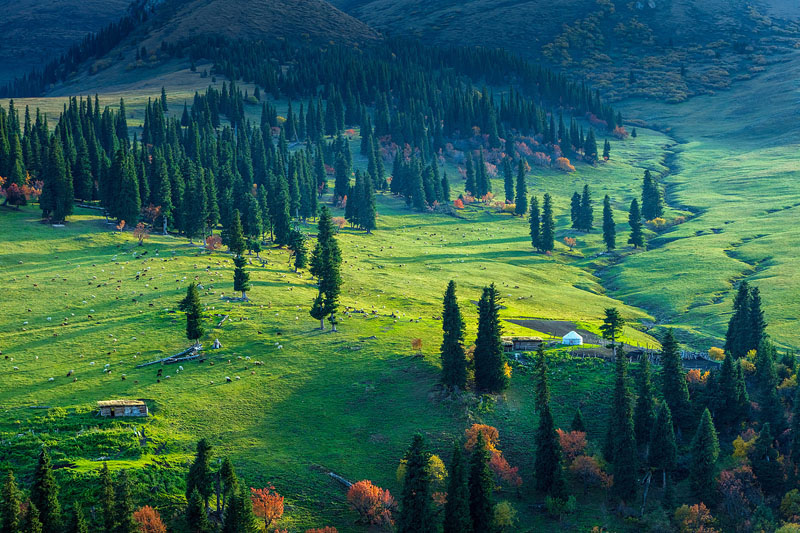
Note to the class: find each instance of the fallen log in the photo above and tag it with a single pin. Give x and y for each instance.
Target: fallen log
(176, 357)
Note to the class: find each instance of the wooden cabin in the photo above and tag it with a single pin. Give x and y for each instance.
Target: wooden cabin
(115, 408)
(521, 344)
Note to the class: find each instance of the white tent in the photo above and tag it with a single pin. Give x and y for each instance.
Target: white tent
(572, 339)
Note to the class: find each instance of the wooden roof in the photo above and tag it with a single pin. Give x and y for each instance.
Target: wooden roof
(120, 403)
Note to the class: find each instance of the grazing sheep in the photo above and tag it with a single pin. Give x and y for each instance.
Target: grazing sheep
(51, 379)
(16, 368)
(180, 367)
(70, 373)
(228, 379)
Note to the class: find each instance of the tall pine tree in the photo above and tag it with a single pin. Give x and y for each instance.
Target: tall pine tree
(454, 362)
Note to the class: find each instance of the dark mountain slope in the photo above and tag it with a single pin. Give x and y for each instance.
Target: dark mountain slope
(668, 49)
(35, 31)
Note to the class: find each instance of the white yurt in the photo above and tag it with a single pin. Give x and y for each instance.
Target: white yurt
(572, 339)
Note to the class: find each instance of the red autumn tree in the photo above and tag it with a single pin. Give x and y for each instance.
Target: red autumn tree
(504, 472)
(573, 443)
(148, 520)
(458, 204)
(267, 504)
(740, 492)
(588, 472)
(141, 232)
(373, 504)
(326, 529)
(213, 242)
(490, 436)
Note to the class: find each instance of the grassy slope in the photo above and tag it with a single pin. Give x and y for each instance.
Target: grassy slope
(737, 169)
(321, 393)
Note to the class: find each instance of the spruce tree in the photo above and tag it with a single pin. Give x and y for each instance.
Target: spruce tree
(729, 411)
(326, 267)
(736, 335)
(508, 180)
(522, 190)
(239, 517)
(652, 202)
(235, 235)
(489, 358)
(663, 451)
(128, 202)
(10, 501)
(196, 516)
(199, 475)
(590, 147)
(673, 382)
(624, 437)
(44, 493)
(609, 228)
(107, 499)
(535, 225)
(470, 186)
(297, 244)
(612, 326)
(644, 411)
(577, 421)
(481, 486)
(547, 462)
(771, 408)
(194, 313)
(757, 325)
(704, 451)
(606, 150)
(415, 501)
(766, 466)
(635, 222)
(795, 445)
(586, 216)
(79, 524)
(454, 362)
(575, 210)
(548, 238)
(457, 517)
(57, 198)
(123, 505)
(241, 279)
(33, 522)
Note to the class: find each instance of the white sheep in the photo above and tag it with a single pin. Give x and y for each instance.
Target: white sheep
(51, 379)
(91, 364)
(16, 368)
(180, 367)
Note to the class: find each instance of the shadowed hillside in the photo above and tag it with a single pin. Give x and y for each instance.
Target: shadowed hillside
(667, 49)
(33, 31)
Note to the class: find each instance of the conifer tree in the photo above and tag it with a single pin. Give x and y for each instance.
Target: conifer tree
(795, 446)
(547, 462)
(457, 517)
(635, 222)
(415, 501)
(652, 202)
(199, 475)
(606, 150)
(297, 245)
(522, 190)
(705, 451)
(239, 517)
(575, 210)
(454, 362)
(548, 237)
(771, 408)
(663, 451)
(57, 199)
(107, 498)
(736, 335)
(194, 313)
(609, 228)
(586, 217)
(489, 359)
(79, 524)
(123, 505)
(481, 486)
(342, 178)
(470, 186)
(10, 501)
(624, 437)
(535, 225)
(235, 235)
(577, 421)
(241, 279)
(766, 466)
(730, 403)
(644, 411)
(325, 266)
(757, 325)
(590, 147)
(33, 522)
(196, 516)
(44, 493)
(508, 180)
(128, 202)
(445, 188)
(612, 326)
(674, 390)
